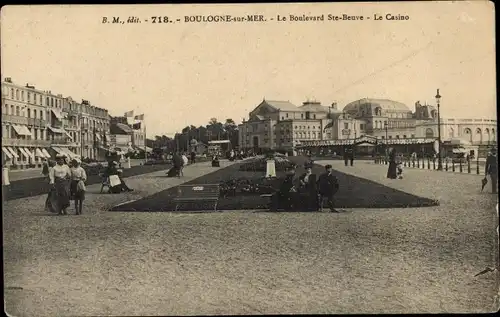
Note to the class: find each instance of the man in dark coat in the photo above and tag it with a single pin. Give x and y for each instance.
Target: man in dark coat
(177, 162)
(328, 186)
(346, 157)
(193, 157)
(491, 169)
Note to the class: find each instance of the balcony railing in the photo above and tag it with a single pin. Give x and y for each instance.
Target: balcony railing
(14, 119)
(21, 142)
(37, 122)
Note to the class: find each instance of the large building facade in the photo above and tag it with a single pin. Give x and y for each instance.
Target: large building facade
(38, 124)
(281, 125)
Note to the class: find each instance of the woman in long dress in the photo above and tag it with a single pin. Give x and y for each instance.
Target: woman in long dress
(59, 178)
(48, 202)
(77, 186)
(392, 170)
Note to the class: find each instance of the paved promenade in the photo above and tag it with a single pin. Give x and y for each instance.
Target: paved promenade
(411, 260)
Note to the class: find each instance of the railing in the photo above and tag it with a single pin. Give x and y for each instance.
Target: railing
(21, 142)
(476, 166)
(14, 119)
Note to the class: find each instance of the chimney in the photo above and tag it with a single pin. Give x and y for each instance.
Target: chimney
(8, 79)
(334, 105)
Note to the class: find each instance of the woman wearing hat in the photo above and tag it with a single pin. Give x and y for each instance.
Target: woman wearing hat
(77, 186)
(112, 169)
(59, 176)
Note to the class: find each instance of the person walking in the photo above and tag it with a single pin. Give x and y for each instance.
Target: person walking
(77, 185)
(392, 169)
(59, 177)
(328, 186)
(193, 157)
(346, 157)
(491, 169)
(351, 156)
(48, 201)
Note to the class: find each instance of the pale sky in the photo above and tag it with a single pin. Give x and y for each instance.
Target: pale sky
(185, 73)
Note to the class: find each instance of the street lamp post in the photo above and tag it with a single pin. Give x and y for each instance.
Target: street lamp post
(440, 160)
(386, 125)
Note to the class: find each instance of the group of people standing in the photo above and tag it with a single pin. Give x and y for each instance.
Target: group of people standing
(307, 192)
(67, 182)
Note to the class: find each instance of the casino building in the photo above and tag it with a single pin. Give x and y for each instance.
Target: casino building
(369, 124)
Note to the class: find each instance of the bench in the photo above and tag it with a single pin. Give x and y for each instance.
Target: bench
(197, 193)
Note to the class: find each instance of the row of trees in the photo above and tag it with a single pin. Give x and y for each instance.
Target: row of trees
(214, 130)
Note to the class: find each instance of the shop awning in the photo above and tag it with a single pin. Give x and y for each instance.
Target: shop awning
(39, 153)
(24, 153)
(22, 130)
(58, 150)
(70, 153)
(28, 151)
(56, 130)
(14, 153)
(44, 151)
(6, 152)
(57, 114)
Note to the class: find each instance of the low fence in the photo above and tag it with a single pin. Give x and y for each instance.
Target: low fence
(433, 164)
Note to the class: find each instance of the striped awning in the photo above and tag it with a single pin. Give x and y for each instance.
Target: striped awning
(7, 152)
(58, 150)
(28, 151)
(14, 153)
(39, 153)
(44, 151)
(24, 153)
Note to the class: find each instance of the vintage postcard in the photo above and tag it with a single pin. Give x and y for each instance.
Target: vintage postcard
(251, 159)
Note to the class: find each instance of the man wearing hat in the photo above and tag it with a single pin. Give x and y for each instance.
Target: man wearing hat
(491, 169)
(328, 186)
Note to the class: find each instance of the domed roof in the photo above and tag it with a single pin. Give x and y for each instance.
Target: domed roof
(385, 104)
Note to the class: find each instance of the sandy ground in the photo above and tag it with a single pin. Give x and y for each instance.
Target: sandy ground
(362, 261)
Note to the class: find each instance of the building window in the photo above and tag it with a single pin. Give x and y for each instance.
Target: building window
(41, 114)
(22, 95)
(302, 116)
(404, 136)
(6, 109)
(29, 97)
(12, 93)
(29, 113)
(390, 136)
(17, 94)
(383, 137)
(397, 136)
(314, 116)
(286, 114)
(11, 110)
(17, 111)
(346, 125)
(413, 135)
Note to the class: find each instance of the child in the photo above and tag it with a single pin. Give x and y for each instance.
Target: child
(399, 167)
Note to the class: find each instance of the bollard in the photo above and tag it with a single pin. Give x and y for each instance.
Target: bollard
(446, 165)
(428, 163)
(461, 169)
(5, 176)
(452, 166)
(434, 164)
(468, 166)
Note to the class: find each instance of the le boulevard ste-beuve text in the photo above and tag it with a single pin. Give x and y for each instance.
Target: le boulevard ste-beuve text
(165, 19)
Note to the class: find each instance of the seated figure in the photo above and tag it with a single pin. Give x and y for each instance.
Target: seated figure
(215, 161)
